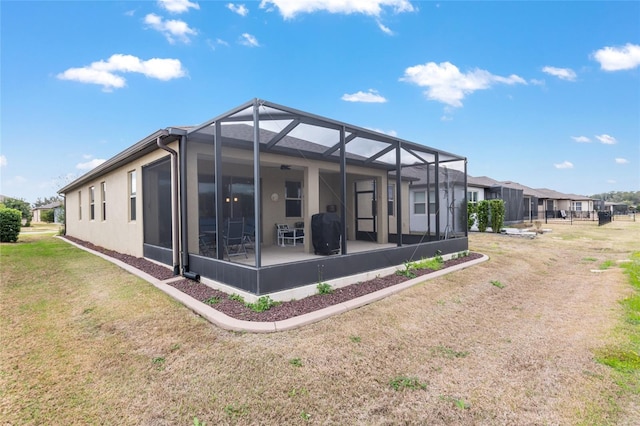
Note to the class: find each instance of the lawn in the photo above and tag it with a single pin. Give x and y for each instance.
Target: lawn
(525, 338)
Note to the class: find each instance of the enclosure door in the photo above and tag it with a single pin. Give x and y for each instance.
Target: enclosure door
(366, 217)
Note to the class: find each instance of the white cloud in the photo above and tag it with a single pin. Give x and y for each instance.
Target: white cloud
(248, 40)
(104, 72)
(621, 161)
(372, 96)
(561, 73)
(581, 139)
(172, 29)
(290, 8)
(384, 28)
(130, 12)
(3, 161)
(239, 9)
(618, 58)
(448, 85)
(536, 82)
(564, 165)
(215, 43)
(177, 6)
(606, 139)
(91, 164)
(611, 181)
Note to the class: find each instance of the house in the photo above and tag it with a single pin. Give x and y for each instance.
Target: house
(554, 204)
(56, 206)
(520, 201)
(175, 196)
(523, 203)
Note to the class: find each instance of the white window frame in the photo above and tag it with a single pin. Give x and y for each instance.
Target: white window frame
(289, 197)
(132, 180)
(92, 203)
(103, 197)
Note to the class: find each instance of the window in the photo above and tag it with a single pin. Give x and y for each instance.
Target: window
(472, 196)
(391, 196)
(419, 203)
(103, 195)
(576, 206)
(79, 205)
(432, 202)
(156, 203)
(293, 199)
(132, 195)
(92, 203)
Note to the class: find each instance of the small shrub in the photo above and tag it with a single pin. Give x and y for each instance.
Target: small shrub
(472, 214)
(324, 288)
(496, 208)
(264, 303)
(236, 297)
(10, 221)
(212, 300)
(483, 215)
(403, 382)
(407, 271)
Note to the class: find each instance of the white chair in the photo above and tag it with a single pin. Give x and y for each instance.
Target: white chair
(288, 235)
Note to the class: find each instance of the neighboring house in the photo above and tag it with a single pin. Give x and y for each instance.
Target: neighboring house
(56, 206)
(554, 204)
(523, 203)
(168, 197)
(520, 202)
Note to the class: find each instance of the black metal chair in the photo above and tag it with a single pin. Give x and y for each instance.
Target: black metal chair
(234, 239)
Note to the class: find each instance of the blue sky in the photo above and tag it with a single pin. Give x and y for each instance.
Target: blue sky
(546, 94)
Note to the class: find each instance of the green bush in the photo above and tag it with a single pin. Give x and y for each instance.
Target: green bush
(483, 215)
(472, 212)
(47, 216)
(10, 221)
(497, 215)
(22, 206)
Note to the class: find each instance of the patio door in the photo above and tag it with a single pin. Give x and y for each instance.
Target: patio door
(366, 210)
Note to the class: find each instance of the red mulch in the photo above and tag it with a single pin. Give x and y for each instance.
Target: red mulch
(284, 310)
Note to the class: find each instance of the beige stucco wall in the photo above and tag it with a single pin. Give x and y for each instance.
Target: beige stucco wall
(321, 187)
(116, 232)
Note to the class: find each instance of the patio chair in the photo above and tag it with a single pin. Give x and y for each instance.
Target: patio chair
(206, 248)
(288, 235)
(234, 239)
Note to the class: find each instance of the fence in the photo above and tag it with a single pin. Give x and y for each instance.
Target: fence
(569, 216)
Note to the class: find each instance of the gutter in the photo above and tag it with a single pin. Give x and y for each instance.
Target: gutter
(178, 202)
(175, 225)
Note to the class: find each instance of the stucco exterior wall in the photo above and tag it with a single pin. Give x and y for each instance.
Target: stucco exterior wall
(116, 231)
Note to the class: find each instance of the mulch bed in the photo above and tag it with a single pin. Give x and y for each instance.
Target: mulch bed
(285, 310)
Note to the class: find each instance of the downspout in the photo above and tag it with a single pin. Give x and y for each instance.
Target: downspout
(174, 201)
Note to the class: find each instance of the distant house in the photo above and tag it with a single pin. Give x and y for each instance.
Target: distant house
(523, 203)
(266, 171)
(57, 208)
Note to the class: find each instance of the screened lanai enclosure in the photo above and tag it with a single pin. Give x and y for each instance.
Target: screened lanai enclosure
(255, 182)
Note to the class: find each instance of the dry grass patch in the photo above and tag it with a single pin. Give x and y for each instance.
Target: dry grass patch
(85, 342)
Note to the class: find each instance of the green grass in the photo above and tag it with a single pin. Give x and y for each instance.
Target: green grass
(498, 284)
(399, 383)
(607, 264)
(624, 358)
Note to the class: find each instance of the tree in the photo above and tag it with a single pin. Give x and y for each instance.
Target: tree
(47, 216)
(20, 205)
